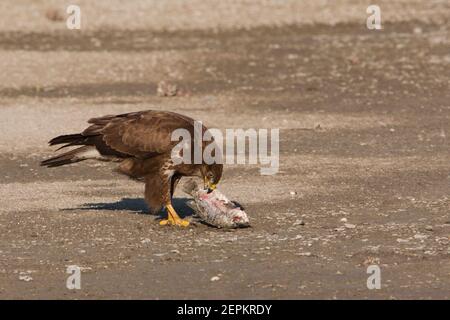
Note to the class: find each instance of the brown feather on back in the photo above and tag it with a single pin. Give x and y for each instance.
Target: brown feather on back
(142, 142)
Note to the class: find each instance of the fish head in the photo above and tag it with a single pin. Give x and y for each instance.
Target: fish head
(239, 218)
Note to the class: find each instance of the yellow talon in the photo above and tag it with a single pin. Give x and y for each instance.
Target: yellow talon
(173, 218)
(164, 222)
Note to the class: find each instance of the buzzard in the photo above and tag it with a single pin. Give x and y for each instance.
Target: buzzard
(141, 142)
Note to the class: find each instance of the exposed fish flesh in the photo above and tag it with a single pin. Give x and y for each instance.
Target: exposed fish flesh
(214, 208)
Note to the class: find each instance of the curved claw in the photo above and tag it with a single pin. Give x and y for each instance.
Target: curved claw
(171, 222)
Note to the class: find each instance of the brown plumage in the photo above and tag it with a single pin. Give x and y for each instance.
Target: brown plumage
(141, 142)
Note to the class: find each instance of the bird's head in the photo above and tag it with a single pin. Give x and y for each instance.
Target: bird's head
(211, 174)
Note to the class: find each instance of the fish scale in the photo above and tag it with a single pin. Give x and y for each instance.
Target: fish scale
(214, 208)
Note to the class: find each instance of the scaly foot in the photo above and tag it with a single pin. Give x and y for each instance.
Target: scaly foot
(172, 222)
(173, 219)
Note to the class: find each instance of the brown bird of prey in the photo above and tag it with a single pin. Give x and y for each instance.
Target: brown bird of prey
(141, 142)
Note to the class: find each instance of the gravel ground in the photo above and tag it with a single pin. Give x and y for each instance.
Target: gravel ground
(25, 15)
(364, 151)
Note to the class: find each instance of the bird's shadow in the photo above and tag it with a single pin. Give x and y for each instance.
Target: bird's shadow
(137, 205)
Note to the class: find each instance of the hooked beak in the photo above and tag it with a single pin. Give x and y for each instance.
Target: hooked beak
(209, 185)
(211, 188)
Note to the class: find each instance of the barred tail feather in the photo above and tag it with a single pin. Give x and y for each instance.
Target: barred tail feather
(72, 156)
(68, 138)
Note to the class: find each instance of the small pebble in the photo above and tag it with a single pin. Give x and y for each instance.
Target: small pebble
(215, 278)
(349, 226)
(166, 89)
(429, 228)
(54, 15)
(159, 254)
(25, 278)
(305, 254)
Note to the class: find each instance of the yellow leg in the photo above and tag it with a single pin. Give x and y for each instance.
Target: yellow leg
(173, 218)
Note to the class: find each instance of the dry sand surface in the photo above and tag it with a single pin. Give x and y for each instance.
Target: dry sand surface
(364, 152)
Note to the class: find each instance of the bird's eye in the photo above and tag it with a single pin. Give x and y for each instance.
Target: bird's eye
(210, 175)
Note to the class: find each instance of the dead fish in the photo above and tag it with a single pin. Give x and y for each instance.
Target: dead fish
(214, 208)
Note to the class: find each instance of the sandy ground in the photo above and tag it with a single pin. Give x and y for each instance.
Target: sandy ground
(364, 152)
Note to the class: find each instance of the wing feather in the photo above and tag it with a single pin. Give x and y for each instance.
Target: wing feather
(140, 134)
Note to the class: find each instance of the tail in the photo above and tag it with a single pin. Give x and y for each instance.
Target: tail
(68, 140)
(72, 156)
